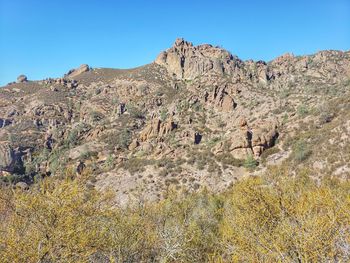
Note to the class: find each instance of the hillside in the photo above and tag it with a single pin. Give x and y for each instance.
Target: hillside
(196, 117)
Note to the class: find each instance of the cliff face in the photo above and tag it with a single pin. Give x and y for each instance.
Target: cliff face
(196, 116)
(184, 60)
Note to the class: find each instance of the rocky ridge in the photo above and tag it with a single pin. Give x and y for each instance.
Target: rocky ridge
(197, 115)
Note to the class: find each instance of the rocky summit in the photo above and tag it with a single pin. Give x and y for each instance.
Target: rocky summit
(197, 116)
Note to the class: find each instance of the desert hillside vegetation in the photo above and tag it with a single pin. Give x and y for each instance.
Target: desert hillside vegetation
(271, 218)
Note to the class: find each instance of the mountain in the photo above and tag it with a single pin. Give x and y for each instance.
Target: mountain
(197, 116)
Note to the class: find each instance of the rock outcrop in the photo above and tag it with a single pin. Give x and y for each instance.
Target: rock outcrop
(220, 98)
(264, 136)
(127, 118)
(75, 72)
(249, 141)
(9, 159)
(157, 129)
(22, 78)
(186, 61)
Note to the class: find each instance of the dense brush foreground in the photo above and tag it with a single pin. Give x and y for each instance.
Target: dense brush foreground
(273, 218)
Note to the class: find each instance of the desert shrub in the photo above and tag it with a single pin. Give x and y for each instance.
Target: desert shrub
(191, 160)
(325, 113)
(228, 159)
(300, 151)
(201, 163)
(250, 162)
(183, 106)
(197, 107)
(134, 164)
(180, 161)
(74, 134)
(109, 163)
(169, 166)
(163, 172)
(57, 160)
(120, 139)
(285, 118)
(270, 218)
(170, 181)
(166, 163)
(212, 142)
(56, 222)
(163, 114)
(285, 93)
(37, 158)
(294, 220)
(96, 116)
(270, 151)
(302, 110)
(86, 154)
(124, 138)
(72, 138)
(188, 227)
(14, 178)
(135, 111)
(221, 123)
(213, 167)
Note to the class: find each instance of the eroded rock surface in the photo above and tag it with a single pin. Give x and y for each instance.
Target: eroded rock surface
(193, 117)
(76, 72)
(184, 60)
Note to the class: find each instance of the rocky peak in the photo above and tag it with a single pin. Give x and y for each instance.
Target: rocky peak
(22, 78)
(75, 72)
(185, 61)
(180, 42)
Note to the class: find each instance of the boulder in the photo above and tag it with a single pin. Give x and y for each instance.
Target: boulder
(167, 127)
(147, 147)
(151, 130)
(75, 72)
(80, 167)
(22, 78)
(22, 186)
(133, 145)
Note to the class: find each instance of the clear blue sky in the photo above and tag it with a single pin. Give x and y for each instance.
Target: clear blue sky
(45, 38)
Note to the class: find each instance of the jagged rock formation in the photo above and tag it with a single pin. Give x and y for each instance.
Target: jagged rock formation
(9, 159)
(76, 72)
(188, 116)
(249, 140)
(186, 61)
(21, 78)
(220, 98)
(157, 129)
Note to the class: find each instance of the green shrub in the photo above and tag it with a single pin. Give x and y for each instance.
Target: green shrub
(250, 162)
(300, 151)
(163, 114)
(266, 153)
(325, 113)
(124, 138)
(135, 111)
(96, 116)
(134, 165)
(302, 110)
(228, 159)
